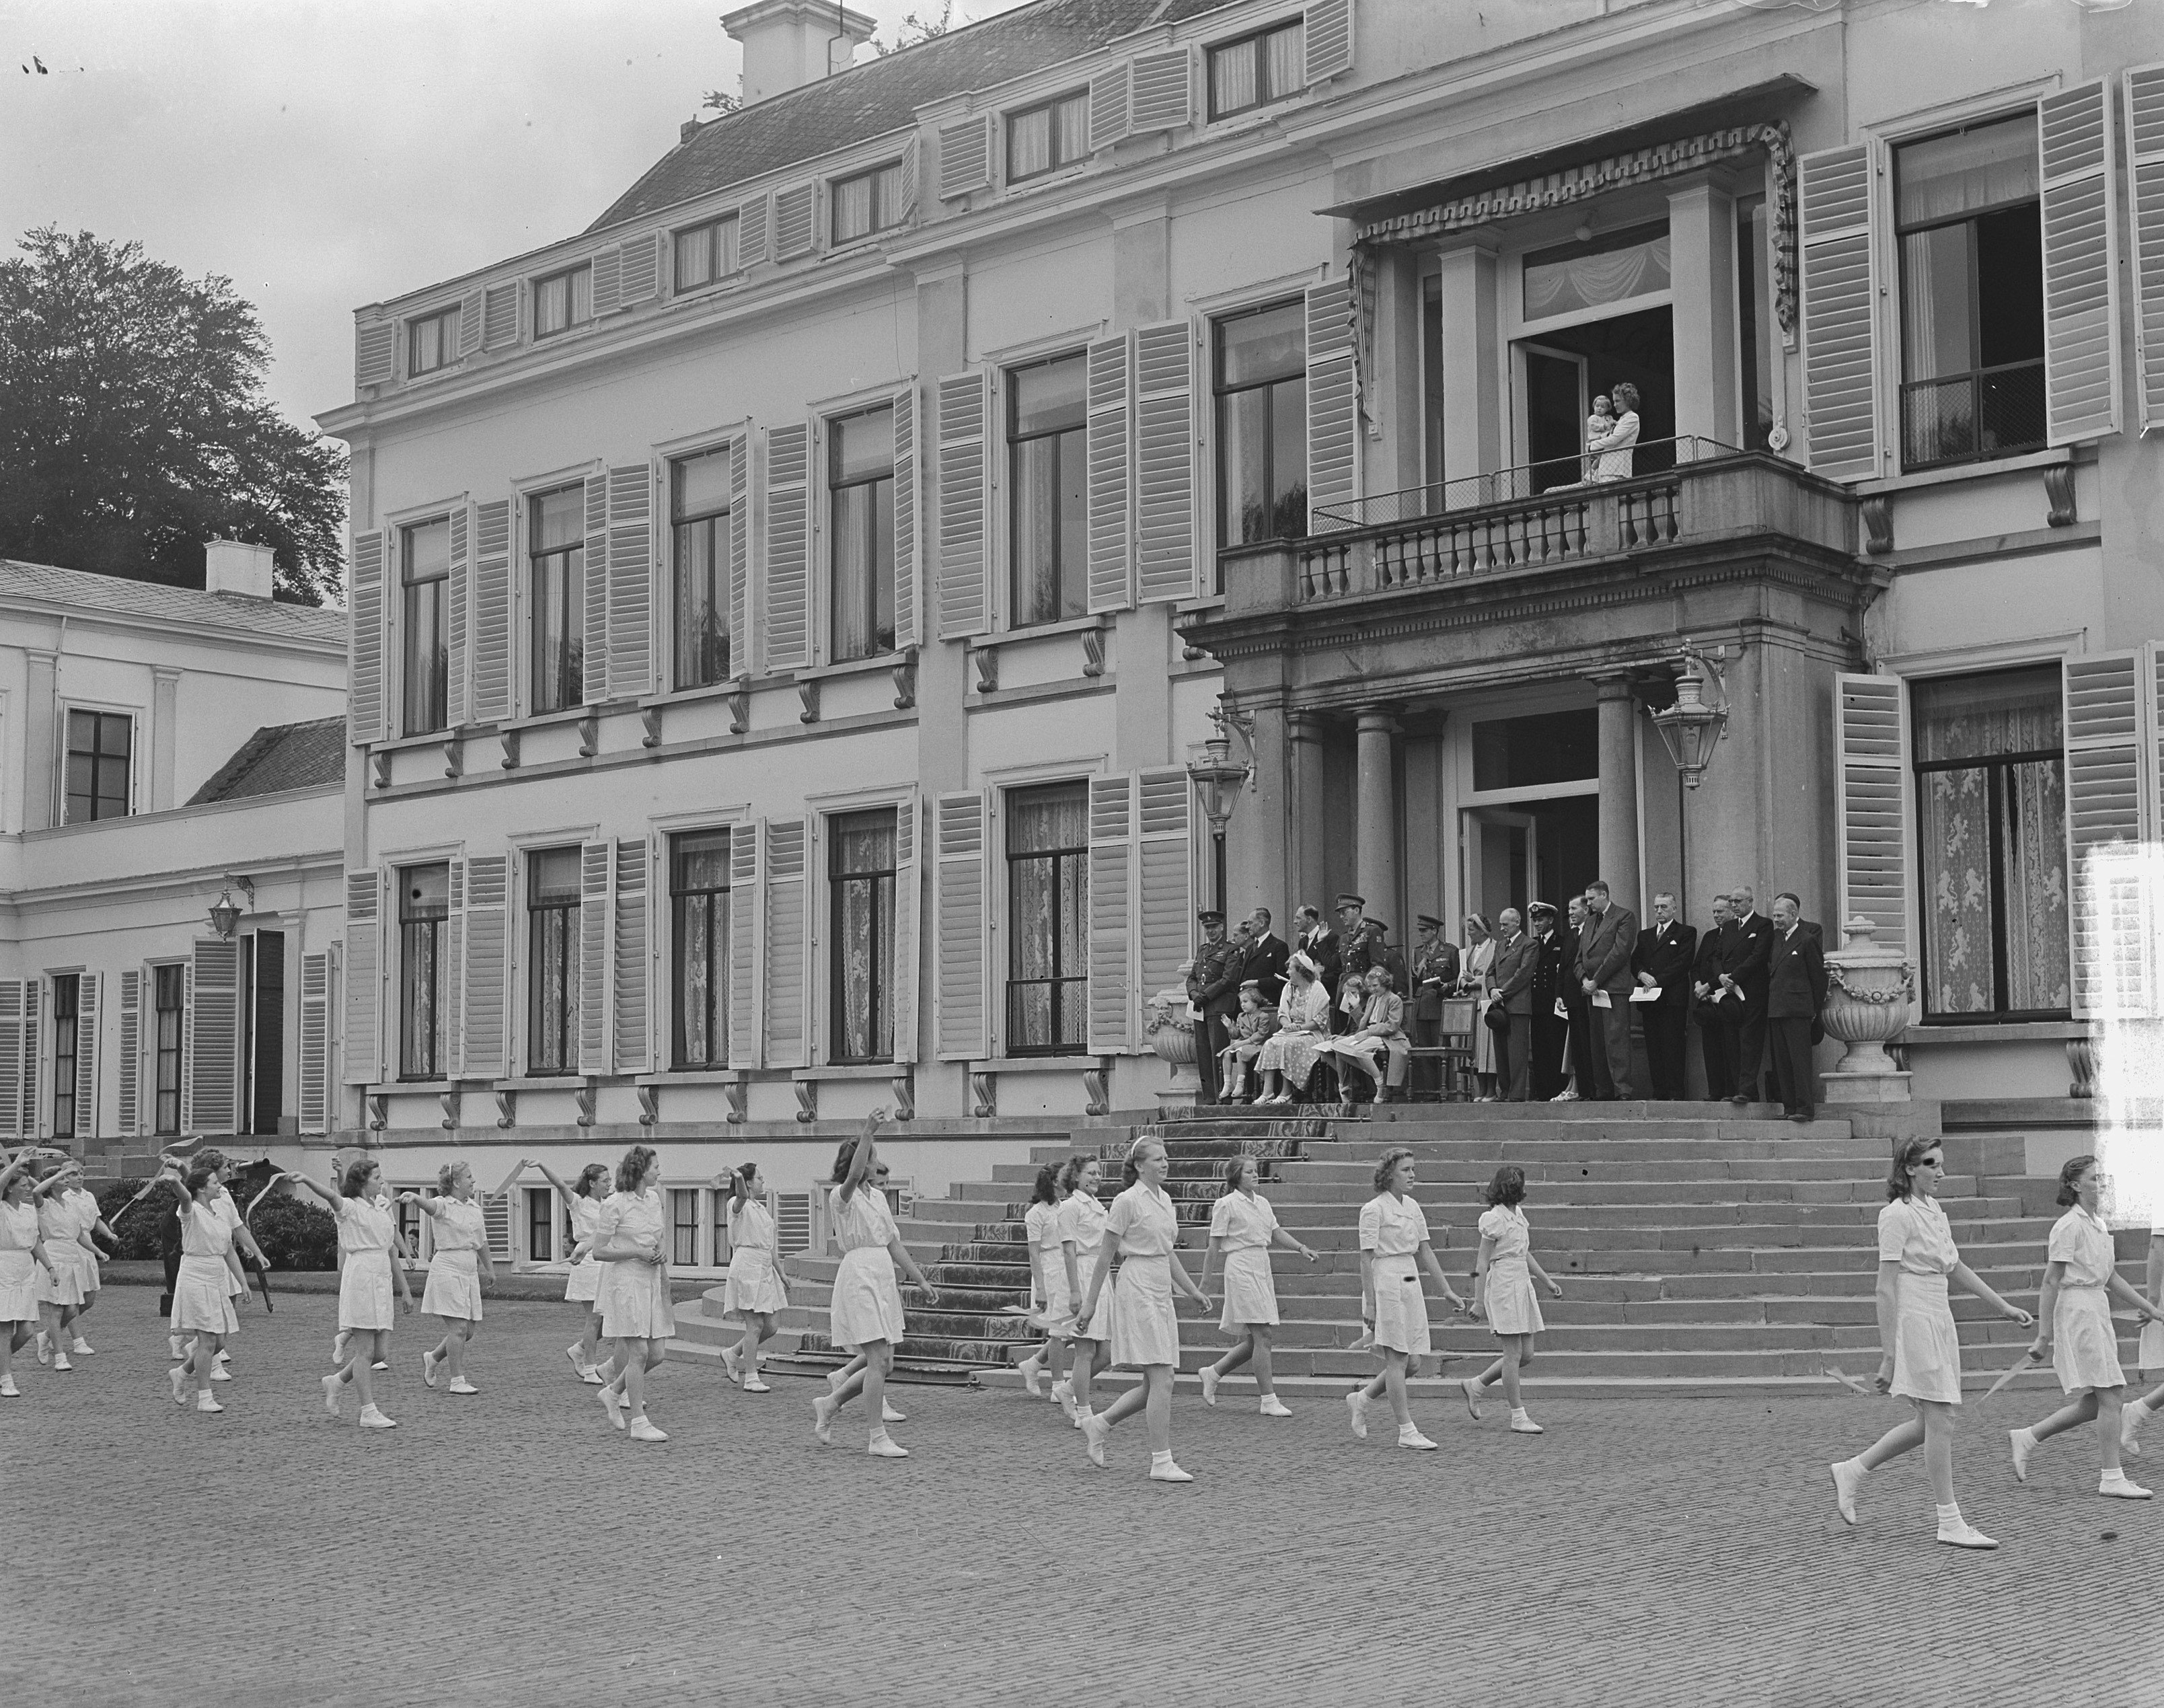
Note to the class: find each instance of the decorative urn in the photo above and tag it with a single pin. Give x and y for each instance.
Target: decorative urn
(1171, 1033)
(1869, 987)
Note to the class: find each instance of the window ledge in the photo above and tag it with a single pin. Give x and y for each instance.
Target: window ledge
(686, 696)
(1040, 1064)
(540, 1082)
(411, 1088)
(1046, 631)
(1215, 602)
(544, 720)
(694, 1076)
(855, 1070)
(876, 664)
(1968, 471)
(2013, 1032)
(434, 738)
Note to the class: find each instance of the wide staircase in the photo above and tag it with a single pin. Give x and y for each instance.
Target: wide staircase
(1697, 1245)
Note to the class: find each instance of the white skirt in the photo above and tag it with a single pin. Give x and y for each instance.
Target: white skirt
(2084, 1344)
(1251, 1292)
(1085, 1268)
(364, 1304)
(454, 1288)
(1513, 1307)
(64, 1286)
(1145, 1326)
(201, 1303)
(754, 1287)
(1058, 1315)
(2151, 1353)
(583, 1283)
(1927, 1350)
(18, 1293)
(1400, 1306)
(634, 1302)
(87, 1265)
(867, 1302)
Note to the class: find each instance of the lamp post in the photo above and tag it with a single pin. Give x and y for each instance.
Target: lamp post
(1692, 727)
(1217, 782)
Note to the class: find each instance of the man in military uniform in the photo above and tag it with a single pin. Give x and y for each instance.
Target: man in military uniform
(1435, 975)
(1358, 950)
(1213, 986)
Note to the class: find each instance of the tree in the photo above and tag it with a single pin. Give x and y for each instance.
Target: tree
(913, 29)
(134, 426)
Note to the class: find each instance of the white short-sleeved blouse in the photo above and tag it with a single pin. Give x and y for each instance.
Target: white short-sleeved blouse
(2084, 1244)
(1242, 1222)
(1143, 1217)
(1392, 1226)
(1913, 1233)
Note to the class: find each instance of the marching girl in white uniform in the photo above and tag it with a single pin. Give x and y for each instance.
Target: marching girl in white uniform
(2151, 1354)
(1503, 1291)
(2081, 1278)
(1141, 1231)
(455, 1272)
(1047, 1280)
(244, 1247)
(636, 1312)
(1394, 1247)
(1243, 1227)
(865, 1315)
(368, 1230)
(582, 1203)
(202, 1290)
(1919, 1359)
(23, 1256)
(79, 1199)
(58, 1288)
(756, 1291)
(1081, 1230)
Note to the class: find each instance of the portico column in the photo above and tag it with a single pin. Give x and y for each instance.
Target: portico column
(1375, 816)
(1702, 273)
(1310, 825)
(1472, 391)
(1619, 791)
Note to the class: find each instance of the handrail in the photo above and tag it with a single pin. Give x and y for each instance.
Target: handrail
(1509, 485)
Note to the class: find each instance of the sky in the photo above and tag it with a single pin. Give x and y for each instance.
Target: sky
(325, 154)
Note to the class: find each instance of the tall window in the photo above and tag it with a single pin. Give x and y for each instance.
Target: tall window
(1049, 915)
(1042, 138)
(684, 1225)
(557, 556)
(562, 301)
(706, 253)
(860, 875)
(1972, 295)
(1261, 379)
(169, 998)
(262, 1030)
(699, 909)
(868, 202)
(67, 996)
(540, 1224)
(1255, 70)
(1991, 820)
(860, 500)
(424, 903)
(1048, 481)
(432, 342)
(425, 567)
(552, 995)
(98, 744)
(699, 532)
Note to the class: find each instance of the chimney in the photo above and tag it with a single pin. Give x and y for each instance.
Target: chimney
(790, 43)
(231, 567)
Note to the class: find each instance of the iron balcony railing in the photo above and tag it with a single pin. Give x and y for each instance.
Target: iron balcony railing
(1556, 476)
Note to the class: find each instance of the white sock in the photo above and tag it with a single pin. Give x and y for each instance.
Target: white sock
(1950, 1514)
(1517, 1411)
(1855, 1465)
(1160, 1459)
(1406, 1429)
(2142, 1406)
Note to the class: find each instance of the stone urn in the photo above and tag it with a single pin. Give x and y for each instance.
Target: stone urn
(1869, 988)
(1171, 1034)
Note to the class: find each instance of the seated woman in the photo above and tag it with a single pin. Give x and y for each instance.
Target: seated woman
(1614, 449)
(1380, 1036)
(1288, 1053)
(1251, 1029)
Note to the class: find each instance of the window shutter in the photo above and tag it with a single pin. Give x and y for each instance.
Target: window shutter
(1326, 38)
(1163, 97)
(963, 895)
(1838, 194)
(491, 613)
(470, 311)
(595, 886)
(496, 1225)
(2144, 182)
(483, 972)
(594, 686)
(86, 1057)
(2081, 263)
(375, 351)
(499, 316)
(1108, 105)
(1871, 750)
(964, 506)
(455, 595)
(2110, 735)
(131, 1046)
(1333, 406)
(743, 946)
(1164, 461)
(212, 1073)
(965, 156)
(905, 553)
(796, 224)
(788, 547)
(1167, 912)
(364, 963)
(1109, 442)
(740, 555)
(608, 281)
(13, 991)
(784, 985)
(911, 172)
(450, 981)
(1112, 915)
(903, 977)
(315, 1087)
(641, 269)
(33, 996)
(630, 581)
(630, 1007)
(364, 707)
(752, 234)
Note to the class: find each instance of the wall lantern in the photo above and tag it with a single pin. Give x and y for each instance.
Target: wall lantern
(1218, 778)
(225, 912)
(1692, 727)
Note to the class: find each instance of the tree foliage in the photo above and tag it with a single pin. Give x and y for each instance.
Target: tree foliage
(913, 28)
(134, 426)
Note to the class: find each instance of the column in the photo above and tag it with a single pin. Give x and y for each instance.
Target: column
(40, 708)
(1262, 823)
(1396, 400)
(1701, 267)
(1619, 791)
(1311, 851)
(1375, 848)
(1472, 433)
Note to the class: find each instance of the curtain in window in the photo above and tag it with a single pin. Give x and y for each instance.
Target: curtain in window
(1950, 175)
(853, 548)
(1585, 281)
(2036, 867)
(1232, 74)
(853, 207)
(862, 874)
(1029, 142)
(1048, 895)
(1283, 48)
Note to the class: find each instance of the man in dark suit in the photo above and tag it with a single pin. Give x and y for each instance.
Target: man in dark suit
(1517, 958)
(1716, 1037)
(1267, 955)
(1578, 1012)
(1550, 980)
(1320, 945)
(1434, 976)
(1213, 986)
(1795, 996)
(1605, 949)
(1743, 976)
(1662, 961)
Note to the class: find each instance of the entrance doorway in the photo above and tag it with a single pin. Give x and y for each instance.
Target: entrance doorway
(1561, 374)
(1539, 850)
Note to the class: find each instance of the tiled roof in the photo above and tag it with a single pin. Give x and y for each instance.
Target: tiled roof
(159, 602)
(879, 98)
(278, 756)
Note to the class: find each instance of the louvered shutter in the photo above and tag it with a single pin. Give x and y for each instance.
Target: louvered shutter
(1839, 196)
(314, 1102)
(912, 171)
(596, 860)
(363, 964)
(594, 654)
(629, 1008)
(483, 968)
(1164, 461)
(783, 985)
(211, 1077)
(1109, 454)
(491, 613)
(450, 981)
(740, 653)
(1166, 862)
(607, 281)
(903, 975)
(788, 587)
(2144, 180)
(33, 997)
(905, 530)
(499, 316)
(795, 221)
(962, 885)
(2081, 263)
(375, 352)
(86, 1057)
(1163, 96)
(2110, 736)
(14, 993)
(456, 592)
(1108, 105)
(131, 1049)
(495, 1225)
(1333, 408)
(965, 157)
(630, 581)
(1326, 38)
(364, 641)
(1112, 915)
(753, 235)
(743, 946)
(964, 506)
(640, 269)
(469, 323)
(1871, 761)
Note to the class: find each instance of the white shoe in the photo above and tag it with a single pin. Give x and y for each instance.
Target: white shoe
(613, 1403)
(888, 1414)
(338, 1347)
(218, 1373)
(462, 1386)
(174, 1349)
(577, 1354)
(61, 1362)
(641, 1430)
(2130, 1419)
(1470, 1387)
(2024, 1443)
(2117, 1486)
(179, 1376)
(429, 1360)
(1210, 1381)
(1959, 1532)
(1561, 1097)
(205, 1401)
(1848, 1476)
(1410, 1437)
(1061, 1393)
(330, 1393)
(1170, 1474)
(8, 1390)
(729, 1364)
(1356, 1403)
(1095, 1429)
(1032, 1375)
(45, 1348)
(379, 1365)
(822, 1420)
(884, 1446)
(1272, 1406)
(756, 1386)
(373, 1419)
(591, 1377)
(1522, 1425)
(221, 1357)
(835, 1378)
(82, 1349)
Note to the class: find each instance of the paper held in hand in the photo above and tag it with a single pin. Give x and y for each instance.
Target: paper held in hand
(1646, 993)
(1602, 1000)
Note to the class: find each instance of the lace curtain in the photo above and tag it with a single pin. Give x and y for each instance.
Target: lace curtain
(1585, 281)
(863, 874)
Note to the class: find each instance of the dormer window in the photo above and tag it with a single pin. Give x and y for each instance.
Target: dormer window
(432, 342)
(868, 202)
(563, 300)
(706, 253)
(1255, 70)
(1041, 139)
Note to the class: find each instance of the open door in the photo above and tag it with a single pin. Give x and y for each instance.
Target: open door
(1553, 400)
(1501, 860)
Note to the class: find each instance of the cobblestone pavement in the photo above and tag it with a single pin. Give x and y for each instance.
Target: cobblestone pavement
(510, 1548)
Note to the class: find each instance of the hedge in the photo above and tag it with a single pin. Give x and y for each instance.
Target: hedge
(295, 1234)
